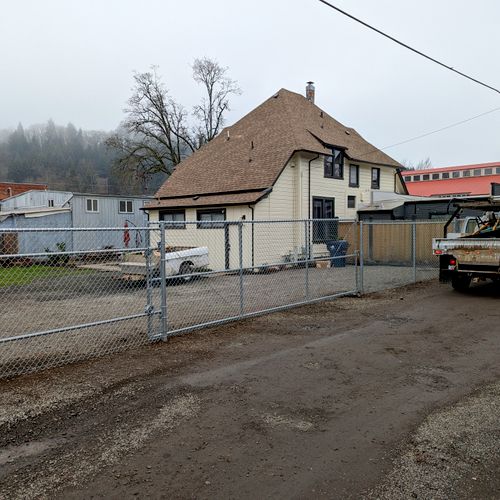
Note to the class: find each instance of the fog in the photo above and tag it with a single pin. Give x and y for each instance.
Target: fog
(72, 61)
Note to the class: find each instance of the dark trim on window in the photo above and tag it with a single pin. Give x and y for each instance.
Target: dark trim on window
(333, 165)
(356, 169)
(210, 224)
(375, 179)
(351, 201)
(177, 225)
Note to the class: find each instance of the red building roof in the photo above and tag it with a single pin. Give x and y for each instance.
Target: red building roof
(477, 180)
(8, 189)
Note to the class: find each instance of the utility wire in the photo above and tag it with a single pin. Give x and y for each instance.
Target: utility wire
(456, 124)
(442, 128)
(380, 32)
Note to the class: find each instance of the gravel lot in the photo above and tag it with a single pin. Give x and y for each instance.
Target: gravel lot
(394, 395)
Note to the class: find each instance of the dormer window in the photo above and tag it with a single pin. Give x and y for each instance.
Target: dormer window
(334, 164)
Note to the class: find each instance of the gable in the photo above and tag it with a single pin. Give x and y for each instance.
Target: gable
(251, 154)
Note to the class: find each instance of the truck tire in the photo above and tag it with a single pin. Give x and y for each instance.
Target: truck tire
(461, 282)
(186, 268)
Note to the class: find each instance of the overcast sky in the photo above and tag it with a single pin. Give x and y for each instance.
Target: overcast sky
(72, 61)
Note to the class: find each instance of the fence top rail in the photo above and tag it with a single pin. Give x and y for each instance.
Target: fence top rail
(158, 224)
(246, 221)
(74, 252)
(69, 229)
(403, 222)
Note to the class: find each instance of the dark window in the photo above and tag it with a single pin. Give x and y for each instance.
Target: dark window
(445, 175)
(51, 203)
(477, 171)
(455, 174)
(324, 208)
(375, 178)
(354, 176)
(92, 205)
(334, 164)
(435, 176)
(426, 177)
(488, 171)
(126, 207)
(497, 170)
(174, 217)
(466, 173)
(351, 202)
(211, 219)
(416, 177)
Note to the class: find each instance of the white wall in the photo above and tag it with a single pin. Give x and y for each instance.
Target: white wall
(288, 199)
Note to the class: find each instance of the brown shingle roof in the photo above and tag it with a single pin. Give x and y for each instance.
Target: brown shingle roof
(210, 200)
(251, 154)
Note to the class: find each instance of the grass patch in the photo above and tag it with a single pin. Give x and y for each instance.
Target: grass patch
(18, 275)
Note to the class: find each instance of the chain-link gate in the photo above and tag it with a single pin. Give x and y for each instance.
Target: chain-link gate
(70, 294)
(65, 298)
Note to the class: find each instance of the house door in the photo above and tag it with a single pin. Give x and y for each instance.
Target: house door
(324, 230)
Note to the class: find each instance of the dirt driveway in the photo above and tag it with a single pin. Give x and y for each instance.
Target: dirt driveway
(325, 400)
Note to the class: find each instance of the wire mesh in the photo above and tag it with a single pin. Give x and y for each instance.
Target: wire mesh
(71, 294)
(64, 298)
(397, 253)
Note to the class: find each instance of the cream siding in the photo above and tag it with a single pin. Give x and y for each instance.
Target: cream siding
(289, 199)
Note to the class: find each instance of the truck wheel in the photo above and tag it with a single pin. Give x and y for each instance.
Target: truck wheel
(461, 282)
(186, 268)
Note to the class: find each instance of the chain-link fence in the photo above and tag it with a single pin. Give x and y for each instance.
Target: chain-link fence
(397, 253)
(70, 294)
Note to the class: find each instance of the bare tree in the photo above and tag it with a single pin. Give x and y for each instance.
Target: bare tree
(158, 132)
(421, 165)
(218, 87)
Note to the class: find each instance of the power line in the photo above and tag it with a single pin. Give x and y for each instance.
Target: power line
(456, 124)
(380, 32)
(442, 128)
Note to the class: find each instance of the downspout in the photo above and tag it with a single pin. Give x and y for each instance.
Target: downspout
(309, 186)
(308, 249)
(252, 208)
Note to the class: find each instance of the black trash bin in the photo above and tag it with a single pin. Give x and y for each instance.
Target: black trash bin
(338, 249)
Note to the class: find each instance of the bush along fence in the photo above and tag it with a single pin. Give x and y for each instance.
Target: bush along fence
(71, 294)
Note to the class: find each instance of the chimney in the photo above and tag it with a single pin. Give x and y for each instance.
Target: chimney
(310, 91)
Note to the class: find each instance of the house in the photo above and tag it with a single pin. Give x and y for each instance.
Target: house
(8, 189)
(286, 159)
(61, 209)
(464, 180)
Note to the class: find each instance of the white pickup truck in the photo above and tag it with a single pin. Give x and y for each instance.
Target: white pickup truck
(472, 253)
(179, 261)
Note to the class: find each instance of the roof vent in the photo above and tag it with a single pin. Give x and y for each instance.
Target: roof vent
(310, 92)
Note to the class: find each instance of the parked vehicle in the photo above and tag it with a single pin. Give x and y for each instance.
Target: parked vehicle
(474, 254)
(179, 261)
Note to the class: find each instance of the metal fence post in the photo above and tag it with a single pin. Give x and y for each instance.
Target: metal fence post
(163, 283)
(240, 250)
(149, 289)
(414, 249)
(361, 259)
(308, 256)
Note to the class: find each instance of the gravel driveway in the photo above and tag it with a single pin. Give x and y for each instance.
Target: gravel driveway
(392, 395)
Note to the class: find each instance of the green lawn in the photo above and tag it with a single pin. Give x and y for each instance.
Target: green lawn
(18, 275)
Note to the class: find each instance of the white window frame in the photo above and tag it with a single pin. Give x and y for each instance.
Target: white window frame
(126, 211)
(93, 202)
